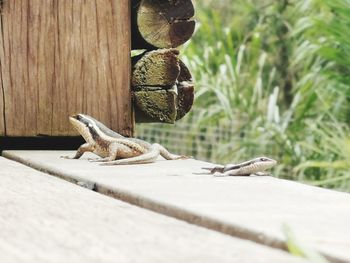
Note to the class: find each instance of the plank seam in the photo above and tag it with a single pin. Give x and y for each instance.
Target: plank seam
(2, 81)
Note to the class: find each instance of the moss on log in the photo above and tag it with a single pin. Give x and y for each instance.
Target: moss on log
(155, 106)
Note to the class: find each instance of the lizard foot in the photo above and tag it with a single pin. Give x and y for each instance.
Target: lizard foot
(106, 163)
(217, 174)
(66, 157)
(94, 159)
(183, 157)
(262, 174)
(99, 160)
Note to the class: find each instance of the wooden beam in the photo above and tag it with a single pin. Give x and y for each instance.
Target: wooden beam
(64, 57)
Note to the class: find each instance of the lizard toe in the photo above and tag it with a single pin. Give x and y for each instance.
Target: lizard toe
(184, 157)
(66, 157)
(107, 164)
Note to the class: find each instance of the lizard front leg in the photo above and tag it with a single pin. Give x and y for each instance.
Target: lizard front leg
(82, 149)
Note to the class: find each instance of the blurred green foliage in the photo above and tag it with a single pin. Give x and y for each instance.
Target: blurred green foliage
(277, 74)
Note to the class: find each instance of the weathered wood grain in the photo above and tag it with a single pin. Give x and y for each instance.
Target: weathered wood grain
(64, 57)
(44, 219)
(2, 120)
(250, 207)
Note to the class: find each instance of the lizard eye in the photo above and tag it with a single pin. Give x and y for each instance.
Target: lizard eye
(263, 159)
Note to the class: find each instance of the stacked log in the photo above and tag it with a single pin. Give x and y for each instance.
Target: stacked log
(162, 85)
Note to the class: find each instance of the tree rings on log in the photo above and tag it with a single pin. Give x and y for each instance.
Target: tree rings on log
(161, 23)
(157, 68)
(163, 90)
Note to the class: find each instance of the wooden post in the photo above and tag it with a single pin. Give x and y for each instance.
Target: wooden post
(63, 57)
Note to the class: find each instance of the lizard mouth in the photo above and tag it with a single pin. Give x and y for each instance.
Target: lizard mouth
(74, 120)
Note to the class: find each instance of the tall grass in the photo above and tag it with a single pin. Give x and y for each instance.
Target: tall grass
(275, 76)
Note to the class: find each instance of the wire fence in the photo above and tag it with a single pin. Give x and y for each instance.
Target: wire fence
(218, 144)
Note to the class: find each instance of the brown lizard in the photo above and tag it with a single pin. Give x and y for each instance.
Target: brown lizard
(114, 148)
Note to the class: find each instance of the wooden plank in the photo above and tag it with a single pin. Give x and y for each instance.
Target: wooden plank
(44, 219)
(65, 57)
(43, 76)
(2, 120)
(253, 208)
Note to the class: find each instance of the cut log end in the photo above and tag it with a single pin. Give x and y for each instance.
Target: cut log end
(157, 68)
(155, 106)
(159, 105)
(185, 99)
(162, 24)
(185, 89)
(162, 87)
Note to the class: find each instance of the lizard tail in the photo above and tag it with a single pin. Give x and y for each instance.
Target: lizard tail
(214, 169)
(148, 157)
(169, 156)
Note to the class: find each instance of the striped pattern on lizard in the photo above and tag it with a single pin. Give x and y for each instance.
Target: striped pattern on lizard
(254, 166)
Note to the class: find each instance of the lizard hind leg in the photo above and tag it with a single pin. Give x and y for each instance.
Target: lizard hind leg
(113, 154)
(170, 156)
(100, 160)
(148, 157)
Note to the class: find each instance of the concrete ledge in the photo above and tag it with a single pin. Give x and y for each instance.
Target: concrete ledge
(253, 208)
(44, 219)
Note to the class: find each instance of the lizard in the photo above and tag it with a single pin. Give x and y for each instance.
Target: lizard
(254, 166)
(113, 148)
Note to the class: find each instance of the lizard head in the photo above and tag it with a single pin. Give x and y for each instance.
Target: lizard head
(84, 125)
(264, 163)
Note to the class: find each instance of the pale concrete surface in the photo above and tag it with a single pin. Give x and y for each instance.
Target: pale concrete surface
(249, 207)
(45, 219)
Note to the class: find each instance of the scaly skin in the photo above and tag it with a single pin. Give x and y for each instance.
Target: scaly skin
(114, 148)
(254, 166)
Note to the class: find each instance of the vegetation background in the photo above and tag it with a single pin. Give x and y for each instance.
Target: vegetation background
(272, 78)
